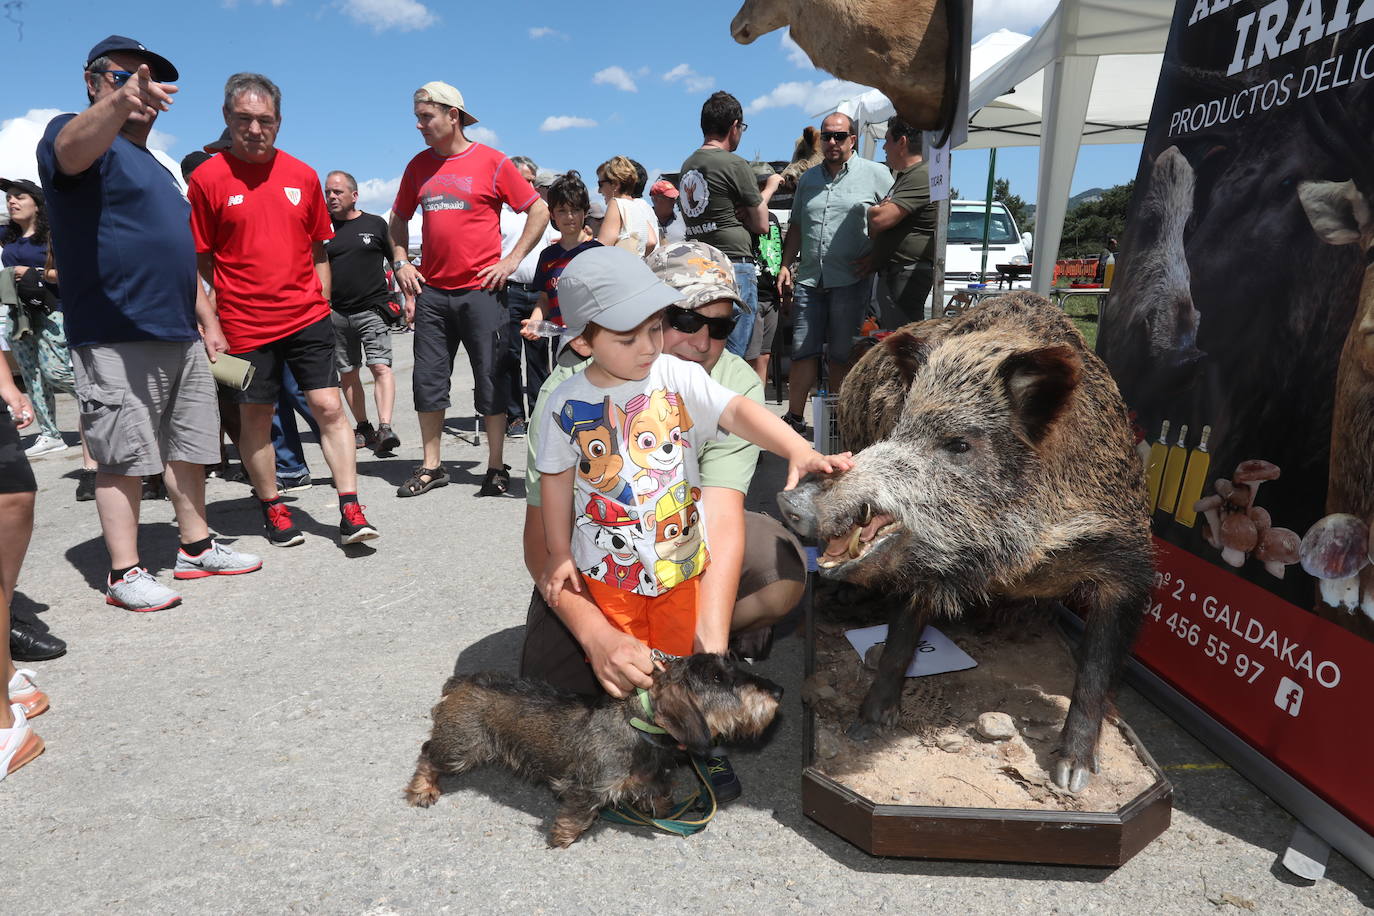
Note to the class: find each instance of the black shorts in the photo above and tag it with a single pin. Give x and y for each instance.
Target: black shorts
(445, 318)
(310, 354)
(16, 476)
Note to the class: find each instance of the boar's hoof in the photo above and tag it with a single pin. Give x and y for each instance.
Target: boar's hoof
(1071, 778)
(863, 731)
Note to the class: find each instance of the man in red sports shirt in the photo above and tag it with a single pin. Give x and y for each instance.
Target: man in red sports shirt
(460, 185)
(259, 221)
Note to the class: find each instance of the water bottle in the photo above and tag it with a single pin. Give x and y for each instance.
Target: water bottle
(546, 328)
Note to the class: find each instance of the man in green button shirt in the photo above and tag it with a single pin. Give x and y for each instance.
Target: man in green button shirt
(829, 229)
(902, 227)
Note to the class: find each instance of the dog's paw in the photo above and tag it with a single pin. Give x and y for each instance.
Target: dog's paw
(421, 796)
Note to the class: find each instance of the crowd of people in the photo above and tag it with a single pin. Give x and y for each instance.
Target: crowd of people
(627, 340)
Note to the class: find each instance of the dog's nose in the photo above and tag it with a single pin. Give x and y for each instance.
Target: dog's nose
(776, 691)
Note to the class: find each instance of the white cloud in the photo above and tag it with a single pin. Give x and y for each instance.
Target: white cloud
(1024, 16)
(617, 77)
(691, 80)
(543, 31)
(381, 15)
(481, 135)
(18, 139)
(794, 51)
(563, 122)
(161, 140)
(376, 194)
(811, 97)
(231, 4)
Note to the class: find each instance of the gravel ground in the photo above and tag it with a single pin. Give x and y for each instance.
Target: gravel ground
(245, 752)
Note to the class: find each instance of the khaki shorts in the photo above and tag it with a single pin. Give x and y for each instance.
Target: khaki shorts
(146, 403)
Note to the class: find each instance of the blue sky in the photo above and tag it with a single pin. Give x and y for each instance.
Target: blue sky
(568, 84)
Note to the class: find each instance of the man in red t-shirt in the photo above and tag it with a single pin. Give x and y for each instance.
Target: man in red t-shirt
(460, 186)
(259, 221)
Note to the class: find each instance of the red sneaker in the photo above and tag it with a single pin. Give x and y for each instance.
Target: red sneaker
(353, 527)
(280, 531)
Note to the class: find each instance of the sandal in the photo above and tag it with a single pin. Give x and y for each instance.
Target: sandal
(422, 480)
(496, 482)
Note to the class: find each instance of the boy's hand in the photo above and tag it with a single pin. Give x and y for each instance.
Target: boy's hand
(559, 570)
(811, 461)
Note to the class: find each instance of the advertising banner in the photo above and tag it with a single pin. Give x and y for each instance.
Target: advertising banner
(1240, 329)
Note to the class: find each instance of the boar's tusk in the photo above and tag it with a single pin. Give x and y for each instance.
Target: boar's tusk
(854, 549)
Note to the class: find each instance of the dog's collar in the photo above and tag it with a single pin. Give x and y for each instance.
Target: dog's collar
(648, 728)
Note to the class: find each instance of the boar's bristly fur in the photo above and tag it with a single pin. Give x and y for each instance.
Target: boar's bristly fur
(997, 464)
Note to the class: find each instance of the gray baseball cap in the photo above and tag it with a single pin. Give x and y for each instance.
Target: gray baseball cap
(611, 287)
(701, 274)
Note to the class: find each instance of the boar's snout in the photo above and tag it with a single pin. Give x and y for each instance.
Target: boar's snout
(799, 508)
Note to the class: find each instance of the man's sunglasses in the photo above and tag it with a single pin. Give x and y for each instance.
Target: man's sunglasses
(120, 77)
(835, 136)
(689, 322)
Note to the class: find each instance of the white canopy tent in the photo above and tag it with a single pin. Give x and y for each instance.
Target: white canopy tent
(1088, 76)
(872, 109)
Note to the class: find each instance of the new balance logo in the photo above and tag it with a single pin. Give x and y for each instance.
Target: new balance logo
(235, 199)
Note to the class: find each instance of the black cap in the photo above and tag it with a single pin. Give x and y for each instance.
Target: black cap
(161, 67)
(23, 186)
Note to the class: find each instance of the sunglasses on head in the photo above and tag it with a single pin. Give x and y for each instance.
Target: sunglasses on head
(689, 322)
(120, 77)
(835, 136)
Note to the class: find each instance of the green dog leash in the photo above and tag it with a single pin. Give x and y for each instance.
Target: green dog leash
(676, 822)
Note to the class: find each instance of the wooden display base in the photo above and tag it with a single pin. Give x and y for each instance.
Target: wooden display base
(982, 834)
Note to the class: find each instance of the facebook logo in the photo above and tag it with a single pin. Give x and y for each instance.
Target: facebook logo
(1289, 696)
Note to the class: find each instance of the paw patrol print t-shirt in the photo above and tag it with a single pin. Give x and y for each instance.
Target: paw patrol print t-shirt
(637, 520)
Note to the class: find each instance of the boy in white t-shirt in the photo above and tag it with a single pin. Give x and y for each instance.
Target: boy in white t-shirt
(618, 454)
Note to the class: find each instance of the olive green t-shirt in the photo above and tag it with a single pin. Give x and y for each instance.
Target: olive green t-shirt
(713, 183)
(913, 238)
(727, 462)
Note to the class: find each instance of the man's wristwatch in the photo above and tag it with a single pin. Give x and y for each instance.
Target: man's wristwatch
(397, 264)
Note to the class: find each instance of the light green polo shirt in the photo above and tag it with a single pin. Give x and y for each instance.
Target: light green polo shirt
(727, 462)
(832, 216)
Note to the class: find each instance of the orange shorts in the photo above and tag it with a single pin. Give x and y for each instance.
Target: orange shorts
(666, 622)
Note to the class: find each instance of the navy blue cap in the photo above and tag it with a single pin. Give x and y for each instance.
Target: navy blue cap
(161, 67)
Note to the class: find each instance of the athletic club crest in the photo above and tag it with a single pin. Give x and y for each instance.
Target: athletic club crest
(293, 195)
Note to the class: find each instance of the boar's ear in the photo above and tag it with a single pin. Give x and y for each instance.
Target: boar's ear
(908, 353)
(1039, 385)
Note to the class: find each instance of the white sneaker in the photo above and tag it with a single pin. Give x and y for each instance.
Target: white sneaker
(218, 560)
(18, 745)
(26, 694)
(45, 445)
(137, 590)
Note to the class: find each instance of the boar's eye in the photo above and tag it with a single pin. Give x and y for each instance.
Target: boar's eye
(955, 445)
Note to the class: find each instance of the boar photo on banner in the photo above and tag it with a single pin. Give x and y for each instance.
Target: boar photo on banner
(1240, 330)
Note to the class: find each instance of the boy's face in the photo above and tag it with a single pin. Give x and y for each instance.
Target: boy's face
(567, 219)
(626, 356)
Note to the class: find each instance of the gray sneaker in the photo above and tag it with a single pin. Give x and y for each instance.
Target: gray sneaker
(219, 560)
(139, 591)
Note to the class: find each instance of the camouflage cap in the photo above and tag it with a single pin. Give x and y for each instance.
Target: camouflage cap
(699, 272)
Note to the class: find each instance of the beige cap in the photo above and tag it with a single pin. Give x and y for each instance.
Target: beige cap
(443, 94)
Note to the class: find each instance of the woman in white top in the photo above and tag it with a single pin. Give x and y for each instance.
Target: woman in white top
(626, 225)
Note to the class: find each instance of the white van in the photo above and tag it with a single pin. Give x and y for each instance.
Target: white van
(964, 248)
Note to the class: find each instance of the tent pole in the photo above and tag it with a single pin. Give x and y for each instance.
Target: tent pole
(987, 212)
